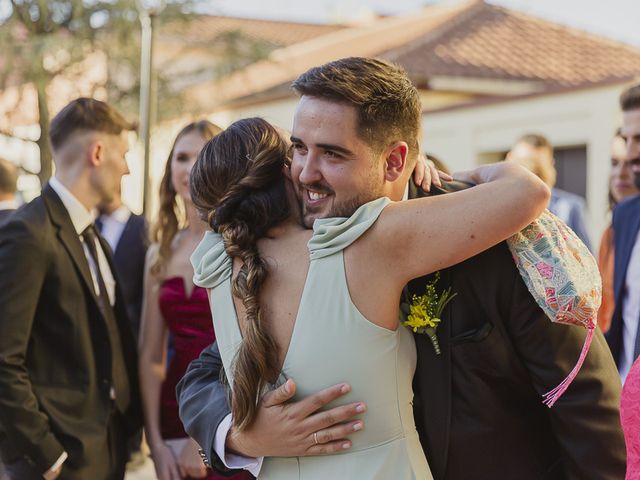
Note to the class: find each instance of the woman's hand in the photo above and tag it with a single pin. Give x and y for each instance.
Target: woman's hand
(190, 463)
(165, 462)
(426, 174)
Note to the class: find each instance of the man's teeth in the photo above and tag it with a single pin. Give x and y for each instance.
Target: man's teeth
(316, 195)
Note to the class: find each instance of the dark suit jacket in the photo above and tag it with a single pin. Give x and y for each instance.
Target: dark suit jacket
(478, 405)
(5, 214)
(54, 349)
(128, 258)
(626, 224)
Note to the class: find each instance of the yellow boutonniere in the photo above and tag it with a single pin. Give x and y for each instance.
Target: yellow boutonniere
(423, 314)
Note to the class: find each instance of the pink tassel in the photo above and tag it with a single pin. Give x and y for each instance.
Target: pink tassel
(550, 398)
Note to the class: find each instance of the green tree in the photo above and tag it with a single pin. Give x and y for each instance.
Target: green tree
(44, 39)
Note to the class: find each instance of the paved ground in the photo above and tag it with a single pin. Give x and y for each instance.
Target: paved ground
(144, 472)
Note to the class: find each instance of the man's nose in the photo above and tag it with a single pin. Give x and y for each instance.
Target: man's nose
(310, 172)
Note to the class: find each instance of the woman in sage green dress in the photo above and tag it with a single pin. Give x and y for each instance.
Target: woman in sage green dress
(321, 305)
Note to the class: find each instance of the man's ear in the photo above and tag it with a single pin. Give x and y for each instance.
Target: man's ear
(96, 153)
(395, 161)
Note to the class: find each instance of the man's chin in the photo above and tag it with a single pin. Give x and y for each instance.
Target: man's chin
(308, 217)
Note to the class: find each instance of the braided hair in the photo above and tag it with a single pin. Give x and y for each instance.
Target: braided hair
(238, 187)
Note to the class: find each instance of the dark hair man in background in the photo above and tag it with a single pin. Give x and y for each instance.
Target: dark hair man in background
(126, 234)
(535, 152)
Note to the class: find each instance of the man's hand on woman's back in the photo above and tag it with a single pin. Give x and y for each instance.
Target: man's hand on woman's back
(288, 429)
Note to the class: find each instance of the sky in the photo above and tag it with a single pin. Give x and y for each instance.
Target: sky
(617, 19)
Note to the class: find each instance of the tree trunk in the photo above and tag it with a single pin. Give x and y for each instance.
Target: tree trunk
(43, 120)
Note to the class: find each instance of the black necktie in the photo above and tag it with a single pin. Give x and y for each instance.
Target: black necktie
(119, 380)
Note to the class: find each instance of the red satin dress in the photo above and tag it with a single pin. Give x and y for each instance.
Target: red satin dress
(188, 319)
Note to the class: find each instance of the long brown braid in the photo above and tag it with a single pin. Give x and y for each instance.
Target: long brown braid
(238, 186)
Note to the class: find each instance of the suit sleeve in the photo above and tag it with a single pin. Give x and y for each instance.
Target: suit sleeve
(23, 269)
(203, 403)
(578, 223)
(585, 419)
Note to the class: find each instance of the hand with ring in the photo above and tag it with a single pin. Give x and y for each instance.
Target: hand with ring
(292, 429)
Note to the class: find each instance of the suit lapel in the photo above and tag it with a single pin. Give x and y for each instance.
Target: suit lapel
(435, 374)
(68, 237)
(624, 243)
(434, 371)
(122, 241)
(625, 234)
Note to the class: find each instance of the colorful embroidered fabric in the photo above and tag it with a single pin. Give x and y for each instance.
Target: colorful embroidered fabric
(563, 277)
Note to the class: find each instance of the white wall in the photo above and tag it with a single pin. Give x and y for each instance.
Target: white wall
(586, 117)
(278, 112)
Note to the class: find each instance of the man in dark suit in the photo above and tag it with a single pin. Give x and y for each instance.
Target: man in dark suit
(478, 404)
(126, 234)
(624, 334)
(535, 152)
(8, 189)
(68, 369)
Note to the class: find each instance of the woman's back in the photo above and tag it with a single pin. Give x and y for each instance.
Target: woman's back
(331, 342)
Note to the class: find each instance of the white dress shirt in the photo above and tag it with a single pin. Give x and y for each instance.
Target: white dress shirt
(8, 204)
(113, 225)
(630, 310)
(81, 218)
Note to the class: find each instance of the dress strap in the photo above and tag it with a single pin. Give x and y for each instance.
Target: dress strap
(211, 264)
(331, 235)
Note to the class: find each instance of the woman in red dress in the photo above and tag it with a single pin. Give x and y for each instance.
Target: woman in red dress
(174, 308)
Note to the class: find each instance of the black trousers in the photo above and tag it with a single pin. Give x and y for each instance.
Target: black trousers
(22, 469)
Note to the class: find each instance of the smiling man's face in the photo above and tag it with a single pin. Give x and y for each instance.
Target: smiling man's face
(333, 170)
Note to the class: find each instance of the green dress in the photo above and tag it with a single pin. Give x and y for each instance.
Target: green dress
(332, 342)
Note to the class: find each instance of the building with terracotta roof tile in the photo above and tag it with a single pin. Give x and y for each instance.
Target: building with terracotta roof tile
(486, 75)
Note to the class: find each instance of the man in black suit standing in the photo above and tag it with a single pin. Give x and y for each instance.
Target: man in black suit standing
(126, 234)
(478, 402)
(8, 189)
(68, 370)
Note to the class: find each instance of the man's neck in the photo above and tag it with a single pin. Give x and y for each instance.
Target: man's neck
(79, 190)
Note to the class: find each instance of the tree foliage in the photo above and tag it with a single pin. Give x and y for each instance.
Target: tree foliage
(45, 39)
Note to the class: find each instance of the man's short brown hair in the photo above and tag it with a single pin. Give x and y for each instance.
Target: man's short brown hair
(630, 98)
(388, 104)
(86, 114)
(8, 177)
(536, 140)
